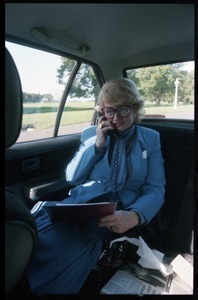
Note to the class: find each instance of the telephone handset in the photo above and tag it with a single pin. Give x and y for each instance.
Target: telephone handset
(111, 131)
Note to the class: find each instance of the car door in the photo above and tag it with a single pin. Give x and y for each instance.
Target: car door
(53, 117)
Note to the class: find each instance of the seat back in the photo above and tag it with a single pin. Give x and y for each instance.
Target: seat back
(13, 101)
(20, 227)
(20, 240)
(175, 219)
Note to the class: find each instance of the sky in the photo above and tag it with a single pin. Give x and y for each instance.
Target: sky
(38, 70)
(39, 65)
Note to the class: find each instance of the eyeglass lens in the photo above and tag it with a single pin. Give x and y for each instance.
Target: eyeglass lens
(123, 111)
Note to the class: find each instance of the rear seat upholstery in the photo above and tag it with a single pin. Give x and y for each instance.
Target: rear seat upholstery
(175, 220)
(173, 225)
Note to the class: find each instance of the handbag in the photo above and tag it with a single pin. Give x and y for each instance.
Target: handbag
(118, 254)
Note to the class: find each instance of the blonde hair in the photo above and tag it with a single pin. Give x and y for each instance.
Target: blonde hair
(124, 92)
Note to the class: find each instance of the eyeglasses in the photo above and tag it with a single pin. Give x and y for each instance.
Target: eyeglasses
(122, 111)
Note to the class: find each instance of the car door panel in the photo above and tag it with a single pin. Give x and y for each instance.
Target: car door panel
(39, 166)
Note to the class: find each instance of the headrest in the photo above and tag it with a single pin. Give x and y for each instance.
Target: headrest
(13, 101)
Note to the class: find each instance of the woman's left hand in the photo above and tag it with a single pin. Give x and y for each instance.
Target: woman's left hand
(120, 221)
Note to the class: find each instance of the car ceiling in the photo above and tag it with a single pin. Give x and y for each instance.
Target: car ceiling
(117, 35)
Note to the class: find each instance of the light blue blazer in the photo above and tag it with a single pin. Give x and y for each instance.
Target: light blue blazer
(144, 188)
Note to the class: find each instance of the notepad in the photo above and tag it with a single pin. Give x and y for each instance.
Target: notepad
(79, 212)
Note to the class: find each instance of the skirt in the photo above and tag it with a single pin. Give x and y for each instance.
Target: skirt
(65, 255)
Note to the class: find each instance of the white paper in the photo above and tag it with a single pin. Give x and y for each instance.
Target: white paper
(123, 283)
(183, 269)
(148, 258)
(180, 280)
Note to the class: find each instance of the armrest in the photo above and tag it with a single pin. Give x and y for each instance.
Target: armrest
(40, 190)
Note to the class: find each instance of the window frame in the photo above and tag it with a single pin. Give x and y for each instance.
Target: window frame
(77, 64)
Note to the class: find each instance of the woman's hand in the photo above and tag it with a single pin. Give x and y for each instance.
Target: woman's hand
(103, 127)
(120, 222)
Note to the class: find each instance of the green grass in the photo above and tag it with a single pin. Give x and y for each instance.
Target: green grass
(43, 115)
(165, 108)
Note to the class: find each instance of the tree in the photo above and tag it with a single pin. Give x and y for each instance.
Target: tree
(156, 83)
(186, 87)
(48, 98)
(33, 98)
(85, 83)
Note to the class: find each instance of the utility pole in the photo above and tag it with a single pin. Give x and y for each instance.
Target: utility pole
(176, 92)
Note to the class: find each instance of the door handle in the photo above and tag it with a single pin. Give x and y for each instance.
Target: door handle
(31, 164)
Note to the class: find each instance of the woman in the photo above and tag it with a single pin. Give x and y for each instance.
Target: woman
(117, 161)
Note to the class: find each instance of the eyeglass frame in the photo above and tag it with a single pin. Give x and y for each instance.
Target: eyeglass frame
(116, 110)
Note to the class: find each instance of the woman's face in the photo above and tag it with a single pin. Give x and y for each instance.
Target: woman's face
(120, 123)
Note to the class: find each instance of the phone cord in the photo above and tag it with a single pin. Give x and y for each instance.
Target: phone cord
(104, 259)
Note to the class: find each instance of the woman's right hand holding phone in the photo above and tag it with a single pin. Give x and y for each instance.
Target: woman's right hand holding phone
(102, 130)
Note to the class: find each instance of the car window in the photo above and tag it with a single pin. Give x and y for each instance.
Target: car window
(47, 109)
(79, 109)
(168, 90)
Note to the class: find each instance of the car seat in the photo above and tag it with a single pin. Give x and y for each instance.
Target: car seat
(20, 226)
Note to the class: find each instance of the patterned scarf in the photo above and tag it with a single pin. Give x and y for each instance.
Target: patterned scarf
(118, 171)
